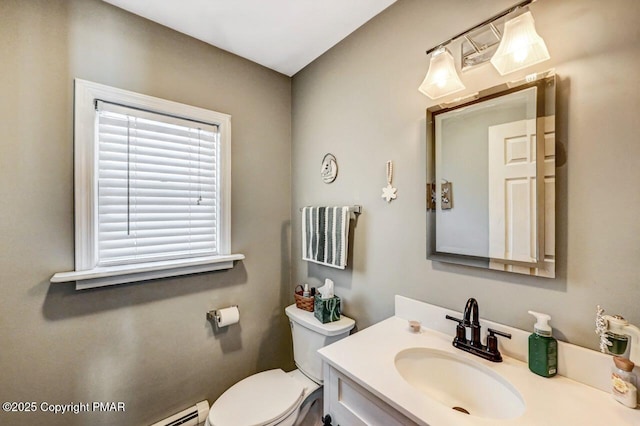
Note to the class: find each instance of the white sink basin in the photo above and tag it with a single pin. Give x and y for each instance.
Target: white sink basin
(459, 383)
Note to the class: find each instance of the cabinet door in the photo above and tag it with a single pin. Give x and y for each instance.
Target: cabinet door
(350, 404)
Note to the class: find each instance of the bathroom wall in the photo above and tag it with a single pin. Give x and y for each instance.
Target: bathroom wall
(360, 102)
(148, 345)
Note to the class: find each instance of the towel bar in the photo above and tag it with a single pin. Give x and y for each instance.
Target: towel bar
(352, 209)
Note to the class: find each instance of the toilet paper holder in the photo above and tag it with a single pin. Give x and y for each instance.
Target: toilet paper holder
(215, 316)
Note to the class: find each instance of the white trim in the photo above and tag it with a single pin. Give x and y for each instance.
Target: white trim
(110, 275)
(85, 185)
(224, 222)
(84, 179)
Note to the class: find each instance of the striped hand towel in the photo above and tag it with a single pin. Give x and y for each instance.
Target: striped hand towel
(325, 234)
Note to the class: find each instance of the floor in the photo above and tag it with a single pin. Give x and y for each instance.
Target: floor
(311, 416)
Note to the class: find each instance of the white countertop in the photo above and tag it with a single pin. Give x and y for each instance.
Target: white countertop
(367, 357)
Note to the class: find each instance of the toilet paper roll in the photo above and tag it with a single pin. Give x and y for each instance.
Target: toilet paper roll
(228, 316)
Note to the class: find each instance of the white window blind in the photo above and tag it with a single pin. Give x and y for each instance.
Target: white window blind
(158, 187)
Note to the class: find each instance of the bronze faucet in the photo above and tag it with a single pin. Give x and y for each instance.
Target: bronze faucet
(471, 318)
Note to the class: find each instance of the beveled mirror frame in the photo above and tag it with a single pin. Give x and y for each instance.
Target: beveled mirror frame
(544, 266)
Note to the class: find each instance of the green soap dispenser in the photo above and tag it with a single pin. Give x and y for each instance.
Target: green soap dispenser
(543, 348)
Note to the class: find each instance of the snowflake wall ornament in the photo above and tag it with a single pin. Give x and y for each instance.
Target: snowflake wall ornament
(389, 192)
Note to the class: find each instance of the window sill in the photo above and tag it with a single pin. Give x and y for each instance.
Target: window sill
(112, 275)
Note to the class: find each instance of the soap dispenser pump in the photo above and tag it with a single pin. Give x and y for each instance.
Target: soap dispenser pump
(543, 348)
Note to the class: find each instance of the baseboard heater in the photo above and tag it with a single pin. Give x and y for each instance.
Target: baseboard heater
(192, 416)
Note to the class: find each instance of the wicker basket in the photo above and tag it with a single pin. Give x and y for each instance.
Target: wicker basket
(304, 303)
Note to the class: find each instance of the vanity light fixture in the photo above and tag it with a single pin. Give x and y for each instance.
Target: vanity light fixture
(521, 46)
(442, 78)
(518, 48)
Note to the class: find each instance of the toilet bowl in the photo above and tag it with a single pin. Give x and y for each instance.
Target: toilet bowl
(268, 398)
(275, 397)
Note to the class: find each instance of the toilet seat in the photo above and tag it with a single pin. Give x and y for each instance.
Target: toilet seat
(259, 400)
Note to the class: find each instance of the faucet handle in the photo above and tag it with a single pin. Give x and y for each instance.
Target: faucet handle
(493, 332)
(492, 342)
(460, 330)
(449, 317)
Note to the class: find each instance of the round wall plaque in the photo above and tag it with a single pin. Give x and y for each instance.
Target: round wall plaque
(329, 170)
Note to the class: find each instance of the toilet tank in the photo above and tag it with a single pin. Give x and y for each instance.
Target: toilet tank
(309, 335)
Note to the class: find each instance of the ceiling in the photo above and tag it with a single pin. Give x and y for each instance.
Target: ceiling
(284, 35)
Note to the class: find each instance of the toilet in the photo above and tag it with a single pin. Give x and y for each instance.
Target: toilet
(275, 397)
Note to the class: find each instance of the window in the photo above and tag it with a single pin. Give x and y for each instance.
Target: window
(157, 187)
(152, 185)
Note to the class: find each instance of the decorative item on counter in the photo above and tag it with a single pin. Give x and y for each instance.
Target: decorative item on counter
(329, 169)
(303, 302)
(624, 383)
(327, 305)
(601, 329)
(389, 192)
(618, 343)
(543, 348)
(617, 336)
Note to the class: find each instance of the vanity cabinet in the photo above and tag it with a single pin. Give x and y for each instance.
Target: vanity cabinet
(368, 381)
(349, 404)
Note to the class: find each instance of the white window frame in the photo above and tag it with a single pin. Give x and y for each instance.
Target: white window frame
(87, 274)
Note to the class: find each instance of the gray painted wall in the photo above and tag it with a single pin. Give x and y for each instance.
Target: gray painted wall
(360, 102)
(148, 345)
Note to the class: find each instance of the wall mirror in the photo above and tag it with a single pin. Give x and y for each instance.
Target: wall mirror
(491, 179)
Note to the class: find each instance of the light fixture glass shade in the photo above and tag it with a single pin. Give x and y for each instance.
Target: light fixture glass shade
(521, 46)
(442, 78)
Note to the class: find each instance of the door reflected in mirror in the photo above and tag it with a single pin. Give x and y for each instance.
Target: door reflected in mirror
(490, 202)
